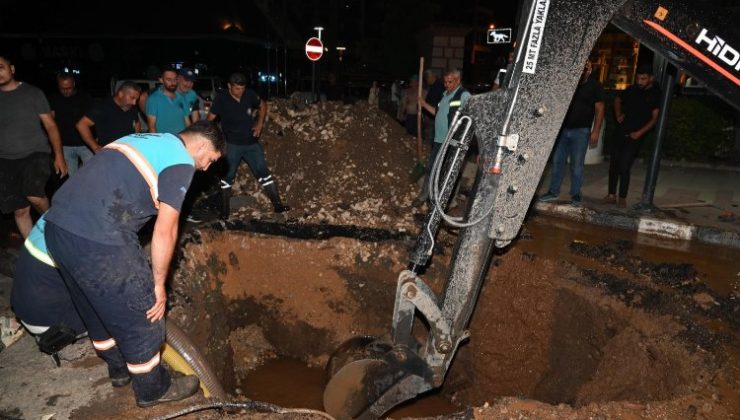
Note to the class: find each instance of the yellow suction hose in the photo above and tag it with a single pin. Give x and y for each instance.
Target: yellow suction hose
(181, 355)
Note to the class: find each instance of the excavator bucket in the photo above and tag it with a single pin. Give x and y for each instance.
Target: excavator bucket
(358, 385)
(368, 376)
(354, 375)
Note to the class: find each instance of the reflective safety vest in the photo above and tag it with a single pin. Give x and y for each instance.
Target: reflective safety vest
(36, 244)
(455, 104)
(151, 154)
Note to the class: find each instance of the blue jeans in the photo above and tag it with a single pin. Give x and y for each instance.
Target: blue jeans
(72, 155)
(253, 154)
(573, 143)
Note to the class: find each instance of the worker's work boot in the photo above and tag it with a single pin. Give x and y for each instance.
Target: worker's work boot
(119, 376)
(622, 203)
(271, 191)
(180, 388)
(117, 370)
(225, 209)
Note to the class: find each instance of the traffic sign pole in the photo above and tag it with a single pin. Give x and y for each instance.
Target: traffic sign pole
(314, 51)
(313, 82)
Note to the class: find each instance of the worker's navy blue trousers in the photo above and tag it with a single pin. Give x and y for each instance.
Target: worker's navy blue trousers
(112, 288)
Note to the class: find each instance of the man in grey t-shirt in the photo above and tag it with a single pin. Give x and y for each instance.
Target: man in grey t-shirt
(25, 121)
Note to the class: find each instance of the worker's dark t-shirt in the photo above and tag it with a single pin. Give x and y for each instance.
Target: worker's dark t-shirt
(637, 106)
(236, 117)
(112, 122)
(581, 111)
(67, 111)
(21, 131)
(109, 199)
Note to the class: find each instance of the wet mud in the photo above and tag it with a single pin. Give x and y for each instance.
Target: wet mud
(593, 328)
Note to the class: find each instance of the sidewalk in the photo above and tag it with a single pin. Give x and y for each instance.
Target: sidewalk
(693, 202)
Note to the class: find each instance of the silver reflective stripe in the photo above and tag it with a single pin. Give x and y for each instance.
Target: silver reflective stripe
(39, 254)
(34, 329)
(454, 103)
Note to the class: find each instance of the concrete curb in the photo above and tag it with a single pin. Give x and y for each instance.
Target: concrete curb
(697, 165)
(666, 228)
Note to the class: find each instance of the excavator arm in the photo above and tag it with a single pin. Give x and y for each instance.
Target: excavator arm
(515, 128)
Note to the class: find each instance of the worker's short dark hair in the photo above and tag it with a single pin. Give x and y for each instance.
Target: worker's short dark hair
(209, 130)
(238, 79)
(645, 69)
(165, 69)
(129, 85)
(7, 59)
(65, 76)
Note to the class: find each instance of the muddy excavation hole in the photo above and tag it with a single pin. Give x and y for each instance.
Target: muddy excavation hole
(267, 310)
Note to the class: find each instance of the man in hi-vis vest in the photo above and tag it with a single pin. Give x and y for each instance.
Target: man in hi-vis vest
(92, 236)
(453, 99)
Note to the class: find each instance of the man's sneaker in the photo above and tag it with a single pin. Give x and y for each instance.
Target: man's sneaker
(576, 201)
(622, 203)
(180, 388)
(549, 197)
(193, 219)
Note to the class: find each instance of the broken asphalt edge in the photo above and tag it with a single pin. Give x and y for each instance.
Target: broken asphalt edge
(641, 223)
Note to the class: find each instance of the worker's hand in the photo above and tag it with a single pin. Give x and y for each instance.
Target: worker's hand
(635, 135)
(156, 312)
(620, 118)
(257, 130)
(60, 166)
(96, 149)
(593, 140)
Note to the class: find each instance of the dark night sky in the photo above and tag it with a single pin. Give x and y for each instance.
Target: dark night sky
(75, 16)
(375, 32)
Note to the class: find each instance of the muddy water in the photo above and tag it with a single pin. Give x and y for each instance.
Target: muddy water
(290, 383)
(718, 267)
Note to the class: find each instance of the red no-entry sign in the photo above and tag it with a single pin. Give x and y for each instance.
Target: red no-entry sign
(314, 49)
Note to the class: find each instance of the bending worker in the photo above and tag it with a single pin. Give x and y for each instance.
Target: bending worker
(41, 301)
(91, 234)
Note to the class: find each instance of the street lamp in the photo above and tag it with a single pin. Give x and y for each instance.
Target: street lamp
(319, 28)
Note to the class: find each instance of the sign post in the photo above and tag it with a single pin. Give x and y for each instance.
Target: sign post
(314, 51)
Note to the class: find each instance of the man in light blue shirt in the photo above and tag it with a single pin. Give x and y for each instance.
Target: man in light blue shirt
(453, 99)
(164, 108)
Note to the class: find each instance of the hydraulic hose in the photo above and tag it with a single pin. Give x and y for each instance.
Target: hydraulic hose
(188, 360)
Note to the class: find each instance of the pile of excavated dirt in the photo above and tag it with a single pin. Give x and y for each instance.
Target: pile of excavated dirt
(338, 164)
